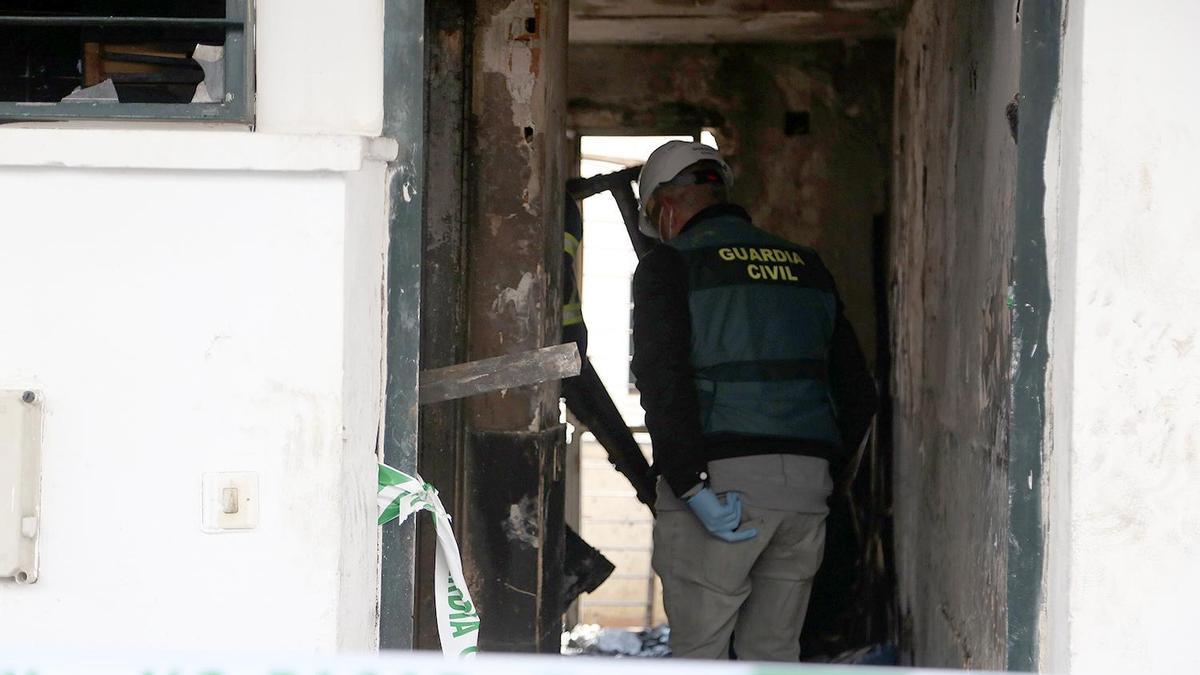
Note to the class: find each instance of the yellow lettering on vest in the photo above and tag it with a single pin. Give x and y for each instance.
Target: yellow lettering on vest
(755, 255)
(755, 271)
(772, 272)
(725, 254)
(739, 253)
(791, 275)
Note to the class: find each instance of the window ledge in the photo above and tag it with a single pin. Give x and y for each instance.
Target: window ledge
(190, 148)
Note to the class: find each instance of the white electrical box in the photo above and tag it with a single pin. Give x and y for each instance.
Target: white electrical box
(20, 483)
(230, 501)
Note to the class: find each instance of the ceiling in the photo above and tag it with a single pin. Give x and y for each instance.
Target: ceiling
(713, 21)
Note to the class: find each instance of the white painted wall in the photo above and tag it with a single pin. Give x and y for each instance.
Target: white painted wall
(184, 322)
(1127, 340)
(195, 298)
(320, 66)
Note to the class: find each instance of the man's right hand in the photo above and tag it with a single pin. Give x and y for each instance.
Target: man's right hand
(720, 517)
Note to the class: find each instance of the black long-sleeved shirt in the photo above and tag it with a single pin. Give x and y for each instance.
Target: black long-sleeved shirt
(662, 332)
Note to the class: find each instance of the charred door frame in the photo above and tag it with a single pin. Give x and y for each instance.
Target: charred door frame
(444, 275)
(1041, 37)
(403, 120)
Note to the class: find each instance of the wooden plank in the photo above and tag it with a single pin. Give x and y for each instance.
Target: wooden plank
(501, 372)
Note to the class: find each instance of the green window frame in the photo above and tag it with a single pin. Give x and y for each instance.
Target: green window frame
(238, 103)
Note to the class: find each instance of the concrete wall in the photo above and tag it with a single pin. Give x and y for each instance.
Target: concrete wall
(957, 70)
(820, 188)
(1126, 324)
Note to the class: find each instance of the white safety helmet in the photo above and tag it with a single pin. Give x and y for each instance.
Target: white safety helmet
(665, 164)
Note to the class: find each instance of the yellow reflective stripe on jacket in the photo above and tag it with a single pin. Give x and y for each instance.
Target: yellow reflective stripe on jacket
(570, 244)
(572, 314)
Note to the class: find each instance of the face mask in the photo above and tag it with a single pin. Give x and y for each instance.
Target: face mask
(664, 232)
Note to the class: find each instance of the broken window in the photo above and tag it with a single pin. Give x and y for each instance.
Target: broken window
(140, 59)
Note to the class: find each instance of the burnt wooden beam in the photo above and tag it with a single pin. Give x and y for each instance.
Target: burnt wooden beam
(514, 216)
(620, 184)
(502, 372)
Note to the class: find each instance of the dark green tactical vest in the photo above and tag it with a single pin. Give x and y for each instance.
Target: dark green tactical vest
(763, 312)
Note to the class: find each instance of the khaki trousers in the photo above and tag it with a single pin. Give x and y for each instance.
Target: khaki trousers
(756, 590)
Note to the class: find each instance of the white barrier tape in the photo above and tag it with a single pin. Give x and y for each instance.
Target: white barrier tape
(400, 496)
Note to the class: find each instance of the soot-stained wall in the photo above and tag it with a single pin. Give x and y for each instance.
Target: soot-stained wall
(955, 168)
(806, 128)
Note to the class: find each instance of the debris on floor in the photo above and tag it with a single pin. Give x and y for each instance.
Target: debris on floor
(874, 655)
(584, 568)
(592, 640)
(589, 639)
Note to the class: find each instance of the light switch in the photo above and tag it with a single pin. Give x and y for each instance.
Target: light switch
(20, 483)
(230, 501)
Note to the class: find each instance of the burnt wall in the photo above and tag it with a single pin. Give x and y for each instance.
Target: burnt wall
(955, 181)
(806, 128)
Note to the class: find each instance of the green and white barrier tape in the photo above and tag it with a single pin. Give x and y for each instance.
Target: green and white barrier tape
(401, 495)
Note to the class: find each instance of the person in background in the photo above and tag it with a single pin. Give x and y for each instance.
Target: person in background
(585, 394)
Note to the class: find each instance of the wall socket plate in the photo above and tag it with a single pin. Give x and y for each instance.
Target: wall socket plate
(230, 501)
(20, 483)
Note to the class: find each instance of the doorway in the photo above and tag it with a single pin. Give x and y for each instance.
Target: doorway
(602, 505)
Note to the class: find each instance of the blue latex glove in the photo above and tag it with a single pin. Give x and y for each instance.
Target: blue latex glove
(720, 518)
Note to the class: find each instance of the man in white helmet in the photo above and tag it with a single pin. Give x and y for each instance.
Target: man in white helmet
(753, 385)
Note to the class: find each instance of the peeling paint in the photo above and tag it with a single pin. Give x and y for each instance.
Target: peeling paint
(519, 299)
(511, 52)
(522, 522)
